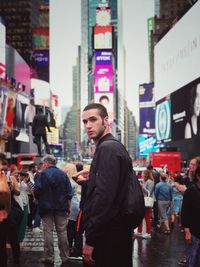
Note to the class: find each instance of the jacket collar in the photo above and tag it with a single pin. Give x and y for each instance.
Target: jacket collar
(108, 136)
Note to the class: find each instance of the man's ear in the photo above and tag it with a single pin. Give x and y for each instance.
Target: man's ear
(106, 123)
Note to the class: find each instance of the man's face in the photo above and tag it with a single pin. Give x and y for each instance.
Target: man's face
(94, 125)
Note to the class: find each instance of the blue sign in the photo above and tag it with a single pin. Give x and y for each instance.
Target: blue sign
(103, 58)
(41, 58)
(147, 145)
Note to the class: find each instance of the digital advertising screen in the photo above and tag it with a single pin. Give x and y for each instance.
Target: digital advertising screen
(163, 120)
(107, 101)
(147, 145)
(103, 77)
(2, 51)
(3, 106)
(185, 109)
(103, 58)
(103, 37)
(41, 39)
(147, 109)
(41, 58)
(10, 114)
(103, 16)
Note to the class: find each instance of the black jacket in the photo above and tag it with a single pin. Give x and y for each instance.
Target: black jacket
(106, 182)
(191, 210)
(39, 124)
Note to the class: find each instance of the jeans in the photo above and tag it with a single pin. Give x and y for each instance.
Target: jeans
(37, 219)
(59, 219)
(193, 251)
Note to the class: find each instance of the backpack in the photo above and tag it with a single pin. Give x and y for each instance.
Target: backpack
(132, 202)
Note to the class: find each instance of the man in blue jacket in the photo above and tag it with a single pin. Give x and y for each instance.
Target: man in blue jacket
(53, 191)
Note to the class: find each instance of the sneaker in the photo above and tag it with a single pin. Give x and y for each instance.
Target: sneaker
(182, 262)
(47, 261)
(138, 234)
(146, 236)
(75, 256)
(37, 230)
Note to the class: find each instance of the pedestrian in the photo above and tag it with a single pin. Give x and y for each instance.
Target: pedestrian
(54, 192)
(148, 191)
(39, 131)
(163, 194)
(191, 220)
(70, 170)
(108, 240)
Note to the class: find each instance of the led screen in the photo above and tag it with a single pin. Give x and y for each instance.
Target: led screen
(103, 37)
(147, 109)
(103, 79)
(40, 39)
(163, 120)
(185, 108)
(147, 145)
(107, 101)
(2, 51)
(103, 57)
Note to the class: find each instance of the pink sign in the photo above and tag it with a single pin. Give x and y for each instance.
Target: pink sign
(103, 79)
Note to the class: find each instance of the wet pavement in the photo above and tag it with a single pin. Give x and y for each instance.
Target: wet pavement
(159, 251)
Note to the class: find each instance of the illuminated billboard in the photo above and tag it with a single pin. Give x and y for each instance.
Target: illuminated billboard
(103, 37)
(42, 95)
(3, 106)
(41, 58)
(2, 51)
(41, 39)
(103, 16)
(185, 109)
(103, 79)
(147, 145)
(107, 101)
(103, 58)
(147, 109)
(163, 120)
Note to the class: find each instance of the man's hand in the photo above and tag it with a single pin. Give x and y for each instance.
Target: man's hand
(87, 254)
(188, 236)
(3, 215)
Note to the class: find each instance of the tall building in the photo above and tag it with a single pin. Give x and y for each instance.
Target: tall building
(88, 18)
(20, 17)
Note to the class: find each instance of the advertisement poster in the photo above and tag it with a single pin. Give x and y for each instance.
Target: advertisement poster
(163, 120)
(147, 109)
(3, 106)
(21, 125)
(185, 108)
(103, 37)
(103, 79)
(10, 114)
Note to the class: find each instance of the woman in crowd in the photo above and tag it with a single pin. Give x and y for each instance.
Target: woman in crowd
(191, 219)
(70, 170)
(148, 190)
(178, 188)
(163, 194)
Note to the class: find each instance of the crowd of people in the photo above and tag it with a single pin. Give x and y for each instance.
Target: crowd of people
(175, 202)
(85, 205)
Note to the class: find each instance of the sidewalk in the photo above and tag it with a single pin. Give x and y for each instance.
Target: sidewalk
(159, 251)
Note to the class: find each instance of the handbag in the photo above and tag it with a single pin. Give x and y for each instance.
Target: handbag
(148, 201)
(16, 213)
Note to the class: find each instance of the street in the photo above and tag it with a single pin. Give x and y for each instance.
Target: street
(160, 250)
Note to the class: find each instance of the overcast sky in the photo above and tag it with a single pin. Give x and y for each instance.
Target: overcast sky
(65, 36)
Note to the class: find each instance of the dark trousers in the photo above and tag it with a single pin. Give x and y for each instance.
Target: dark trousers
(75, 238)
(114, 249)
(38, 139)
(12, 238)
(31, 215)
(155, 213)
(3, 254)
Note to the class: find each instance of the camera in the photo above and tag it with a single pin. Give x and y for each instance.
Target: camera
(23, 174)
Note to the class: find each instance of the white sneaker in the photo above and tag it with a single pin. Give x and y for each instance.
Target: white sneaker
(138, 235)
(146, 236)
(37, 230)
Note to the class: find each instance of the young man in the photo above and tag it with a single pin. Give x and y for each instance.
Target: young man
(108, 239)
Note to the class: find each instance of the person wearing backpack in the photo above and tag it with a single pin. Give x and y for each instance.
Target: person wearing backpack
(108, 235)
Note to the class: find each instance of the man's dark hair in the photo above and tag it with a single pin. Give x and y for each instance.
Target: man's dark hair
(102, 110)
(79, 166)
(31, 166)
(150, 167)
(40, 110)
